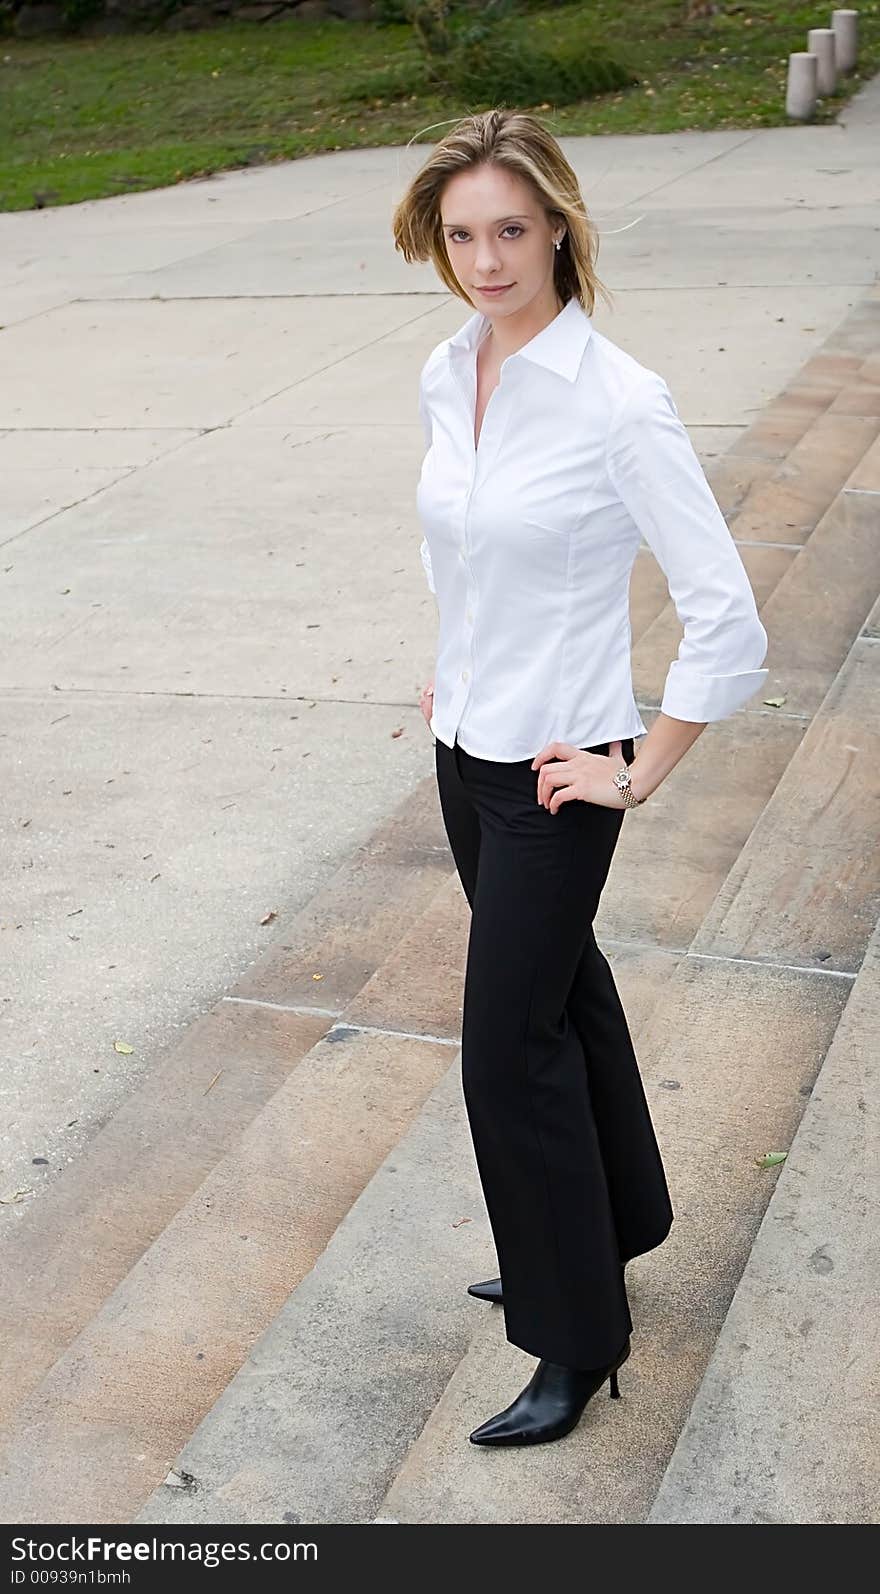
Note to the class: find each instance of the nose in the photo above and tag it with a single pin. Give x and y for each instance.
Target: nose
(487, 261)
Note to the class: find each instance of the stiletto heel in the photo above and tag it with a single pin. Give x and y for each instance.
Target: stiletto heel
(550, 1405)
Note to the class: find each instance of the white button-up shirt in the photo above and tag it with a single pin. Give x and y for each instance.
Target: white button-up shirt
(529, 541)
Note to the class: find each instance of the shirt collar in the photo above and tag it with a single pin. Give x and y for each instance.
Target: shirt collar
(559, 346)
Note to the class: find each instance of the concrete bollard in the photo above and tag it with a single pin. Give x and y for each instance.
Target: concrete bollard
(800, 95)
(845, 25)
(821, 44)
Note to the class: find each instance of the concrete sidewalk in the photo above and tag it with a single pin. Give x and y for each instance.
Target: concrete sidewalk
(215, 623)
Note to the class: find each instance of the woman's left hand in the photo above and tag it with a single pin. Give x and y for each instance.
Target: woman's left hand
(577, 775)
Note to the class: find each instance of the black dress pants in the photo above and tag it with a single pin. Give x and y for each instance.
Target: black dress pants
(564, 1143)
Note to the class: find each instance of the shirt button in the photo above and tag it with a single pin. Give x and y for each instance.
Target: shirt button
(468, 615)
(464, 675)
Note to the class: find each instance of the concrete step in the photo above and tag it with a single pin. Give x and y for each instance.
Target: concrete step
(785, 1424)
(340, 1384)
(729, 1057)
(816, 611)
(787, 506)
(838, 365)
(145, 1163)
(112, 1411)
(804, 888)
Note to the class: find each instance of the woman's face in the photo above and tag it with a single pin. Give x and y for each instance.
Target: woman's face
(496, 232)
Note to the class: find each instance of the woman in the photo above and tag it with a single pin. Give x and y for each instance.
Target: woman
(550, 454)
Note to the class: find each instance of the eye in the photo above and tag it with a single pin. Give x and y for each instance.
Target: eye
(512, 226)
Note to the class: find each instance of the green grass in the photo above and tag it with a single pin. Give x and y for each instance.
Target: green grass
(84, 118)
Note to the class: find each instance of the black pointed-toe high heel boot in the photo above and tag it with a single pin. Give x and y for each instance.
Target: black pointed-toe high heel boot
(490, 1289)
(551, 1404)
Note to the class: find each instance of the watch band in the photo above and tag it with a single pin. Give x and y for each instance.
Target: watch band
(622, 781)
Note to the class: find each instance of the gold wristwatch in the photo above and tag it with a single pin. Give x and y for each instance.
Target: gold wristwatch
(623, 783)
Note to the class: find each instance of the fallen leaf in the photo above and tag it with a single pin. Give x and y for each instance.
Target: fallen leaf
(774, 702)
(122, 1046)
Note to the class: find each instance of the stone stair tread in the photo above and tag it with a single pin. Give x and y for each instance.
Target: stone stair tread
(341, 1382)
(156, 1149)
(784, 1426)
(787, 506)
(805, 888)
(115, 1407)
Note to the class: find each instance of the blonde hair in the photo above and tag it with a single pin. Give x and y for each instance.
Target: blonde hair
(521, 144)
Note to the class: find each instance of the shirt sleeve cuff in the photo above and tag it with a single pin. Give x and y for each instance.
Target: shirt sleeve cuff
(689, 695)
(426, 564)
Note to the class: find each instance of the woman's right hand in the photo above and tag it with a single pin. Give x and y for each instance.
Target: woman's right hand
(426, 701)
